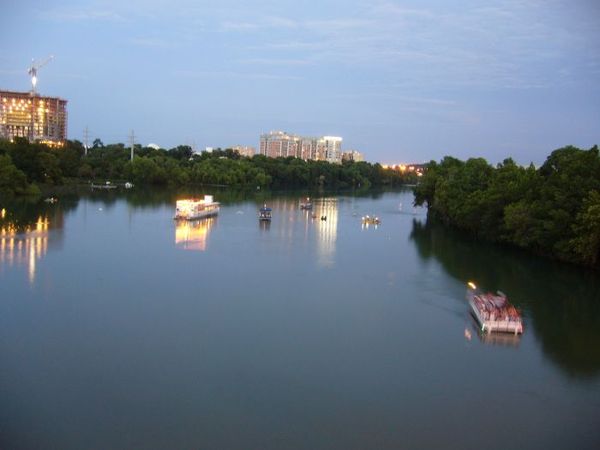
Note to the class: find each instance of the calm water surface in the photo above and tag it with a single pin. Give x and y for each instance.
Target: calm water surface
(120, 329)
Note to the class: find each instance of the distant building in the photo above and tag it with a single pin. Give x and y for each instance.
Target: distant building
(329, 148)
(352, 155)
(34, 117)
(308, 148)
(277, 144)
(244, 150)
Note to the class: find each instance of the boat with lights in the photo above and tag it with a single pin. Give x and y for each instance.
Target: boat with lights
(307, 204)
(264, 213)
(494, 312)
(192, 209)
(368, 220)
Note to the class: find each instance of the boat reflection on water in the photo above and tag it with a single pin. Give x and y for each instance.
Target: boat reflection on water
(500, 339)
(264, 224)
(193, 234)
(504, 339)
(326, 209)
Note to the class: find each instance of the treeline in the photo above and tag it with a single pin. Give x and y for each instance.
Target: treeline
(553, 210)
(24, 166)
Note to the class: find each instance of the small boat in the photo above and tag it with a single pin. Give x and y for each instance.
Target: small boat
(307, 204)
(264, 213)
(128, 185)
(368, 220)
(493, 312)
(191, 209)
(106, 185)
(51, 200)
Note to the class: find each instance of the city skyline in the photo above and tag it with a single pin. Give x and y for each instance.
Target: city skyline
(400, 81)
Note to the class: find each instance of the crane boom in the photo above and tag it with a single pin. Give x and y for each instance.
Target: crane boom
(32, 71)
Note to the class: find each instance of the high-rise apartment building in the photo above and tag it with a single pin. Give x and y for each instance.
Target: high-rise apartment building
(244, 150)
(352, 155)
(34, 117)
(280, 144)
(277, 144)
(330, 149)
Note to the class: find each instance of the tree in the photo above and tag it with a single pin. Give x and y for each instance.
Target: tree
(12, 180)
(586, 243)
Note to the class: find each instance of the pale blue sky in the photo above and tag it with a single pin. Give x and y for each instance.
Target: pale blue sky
(401, 81)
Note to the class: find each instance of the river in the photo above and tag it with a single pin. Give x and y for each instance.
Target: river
(121, 329)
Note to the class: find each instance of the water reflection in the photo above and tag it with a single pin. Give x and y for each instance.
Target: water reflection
(193, 234)
(291, 221)
(502, 339)
(561, 303)
(27, 230)
(326, 212)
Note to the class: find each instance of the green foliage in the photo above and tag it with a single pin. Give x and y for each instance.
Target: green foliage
(12, 180)
(179, 166)
(587, 230)
(554, 210)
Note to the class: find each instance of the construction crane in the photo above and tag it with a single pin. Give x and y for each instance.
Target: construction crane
(32, 71)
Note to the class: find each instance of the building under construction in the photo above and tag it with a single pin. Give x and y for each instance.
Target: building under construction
(34, 117)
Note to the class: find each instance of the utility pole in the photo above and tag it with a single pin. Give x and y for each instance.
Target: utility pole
(132, 141)
(86, 136)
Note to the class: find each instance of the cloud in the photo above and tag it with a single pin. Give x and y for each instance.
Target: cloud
(502, 45)
(259, 24)
(151, 42)
(276, 61)
(337, 24)
(74, 15)
(239, 26)
(12, 72)
(232, 74)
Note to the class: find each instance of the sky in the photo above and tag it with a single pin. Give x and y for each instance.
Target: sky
(400, 81)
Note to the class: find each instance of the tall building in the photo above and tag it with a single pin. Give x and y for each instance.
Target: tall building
(352, 155)
(277, 144)
(329, 148)
(31, 116)
(244, 150)
(280, 144)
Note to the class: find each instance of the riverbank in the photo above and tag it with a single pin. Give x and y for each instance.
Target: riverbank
(553, 210)
(24, 166)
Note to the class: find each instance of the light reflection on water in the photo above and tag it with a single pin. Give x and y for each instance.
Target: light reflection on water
(23, 245)
(295, 333)
(193, 234)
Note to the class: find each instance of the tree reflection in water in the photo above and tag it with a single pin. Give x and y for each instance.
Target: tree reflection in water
(561, 303)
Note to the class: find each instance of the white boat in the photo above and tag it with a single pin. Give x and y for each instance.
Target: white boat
(306, 204)
(368, 220)
(190, 209)
(494, 312)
